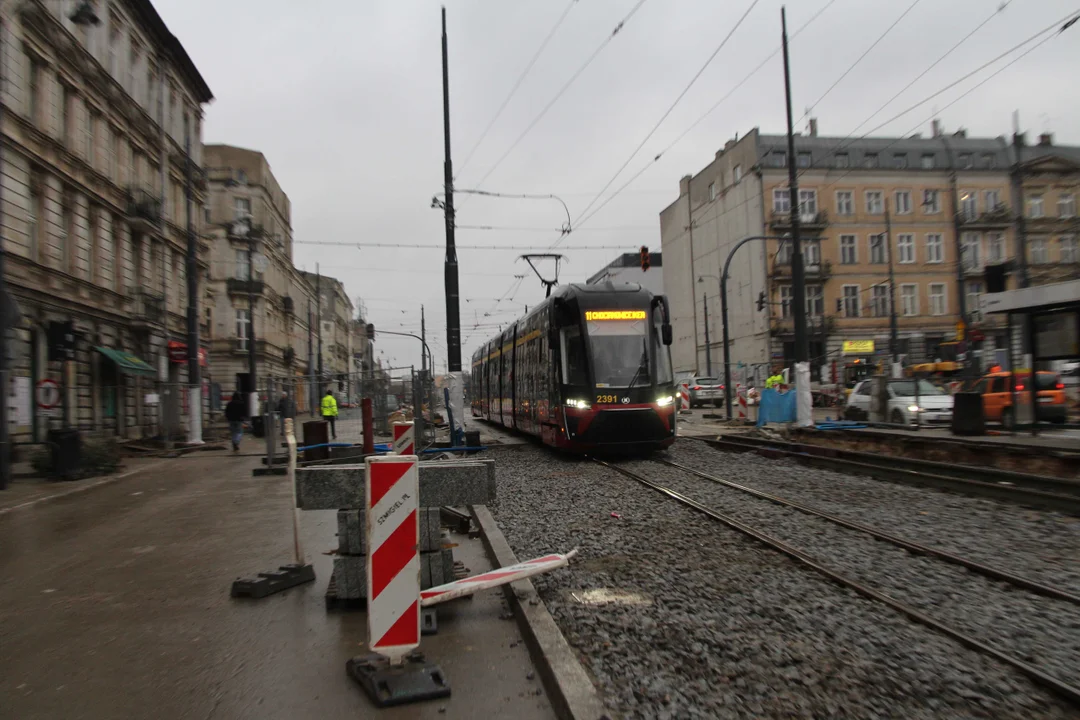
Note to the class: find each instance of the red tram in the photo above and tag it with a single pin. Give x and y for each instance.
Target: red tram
(586, 370)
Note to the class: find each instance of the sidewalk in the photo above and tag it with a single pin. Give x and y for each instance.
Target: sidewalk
(26, 491)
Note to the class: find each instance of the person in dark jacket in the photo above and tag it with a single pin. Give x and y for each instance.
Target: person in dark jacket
(235, 412)
(286, 409)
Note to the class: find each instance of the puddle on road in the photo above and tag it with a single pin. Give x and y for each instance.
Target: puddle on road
(607, 596)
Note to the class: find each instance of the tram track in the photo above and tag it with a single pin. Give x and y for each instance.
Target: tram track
(826, 565)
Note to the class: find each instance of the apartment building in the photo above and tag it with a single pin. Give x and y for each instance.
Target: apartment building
(1048, 177)
(337, 334)
(102, 106)
(258, 299)
(937, 209)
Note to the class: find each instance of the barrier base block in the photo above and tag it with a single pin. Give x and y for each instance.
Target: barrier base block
(275, 581)
(429, 621)
(413, 681)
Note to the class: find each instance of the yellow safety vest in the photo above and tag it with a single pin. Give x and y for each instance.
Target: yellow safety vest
(773, 381)
(329, 406)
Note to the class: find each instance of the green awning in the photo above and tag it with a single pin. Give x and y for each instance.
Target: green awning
(128, 363)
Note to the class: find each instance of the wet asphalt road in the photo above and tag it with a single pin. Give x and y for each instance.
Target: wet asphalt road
(115, 604)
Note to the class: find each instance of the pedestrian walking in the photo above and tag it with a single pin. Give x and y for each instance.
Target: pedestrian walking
(235, 414)
(329, 412)
(286, 409)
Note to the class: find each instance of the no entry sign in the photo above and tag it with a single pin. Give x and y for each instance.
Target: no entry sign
(48, 394)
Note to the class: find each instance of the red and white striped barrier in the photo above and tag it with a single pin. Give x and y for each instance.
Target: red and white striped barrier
(404, 438)
(494, 578)
(393, 560)
(684, 397)
(742, 401)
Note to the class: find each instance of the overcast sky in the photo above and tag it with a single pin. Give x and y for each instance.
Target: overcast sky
(345, 100)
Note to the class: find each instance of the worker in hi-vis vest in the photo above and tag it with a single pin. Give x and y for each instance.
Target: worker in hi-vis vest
(774, 381)
(329, 412)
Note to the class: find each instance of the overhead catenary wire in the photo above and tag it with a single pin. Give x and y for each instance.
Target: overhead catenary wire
(517, 85)
(414, 246)
(670, 108)
(561, 91)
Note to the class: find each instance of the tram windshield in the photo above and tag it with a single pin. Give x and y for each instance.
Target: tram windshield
(620, 352)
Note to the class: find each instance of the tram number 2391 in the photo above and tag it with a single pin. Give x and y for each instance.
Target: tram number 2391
(601, 399)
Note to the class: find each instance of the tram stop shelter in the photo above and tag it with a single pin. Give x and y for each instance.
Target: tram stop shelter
(1044, 319)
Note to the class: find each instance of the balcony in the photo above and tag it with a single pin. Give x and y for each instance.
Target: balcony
(236, 286)
(817, 326)
(143, 211)
(998, 218)
(147, 309)
(815, 221)
(818, 271)
(1053, 224)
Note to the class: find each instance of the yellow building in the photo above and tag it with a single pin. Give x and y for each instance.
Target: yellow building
(1049, 178)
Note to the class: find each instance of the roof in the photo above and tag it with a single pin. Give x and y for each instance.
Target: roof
(947, 151)
(149, 16)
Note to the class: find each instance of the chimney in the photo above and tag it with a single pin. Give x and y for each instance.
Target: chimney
(935, 128)
(813, 127)
(1046, 140)
(684, 185)
(729, 144)
(961, 133)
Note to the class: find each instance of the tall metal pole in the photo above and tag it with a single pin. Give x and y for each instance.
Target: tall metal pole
(5, 383)
(708, 348)
(313, 392)
(894, 343)
(318, 321)
(798, 276)
(693, 271)
(423, 337)
(192, 271)
(453, 319)
(253, 399)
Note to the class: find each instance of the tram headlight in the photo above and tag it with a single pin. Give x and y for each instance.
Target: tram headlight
(665, 401)
(579, 404)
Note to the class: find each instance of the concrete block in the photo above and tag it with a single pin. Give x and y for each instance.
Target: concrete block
(350, 532)
(453, 483)
(350, 574)
(430, 529)
(436, 568)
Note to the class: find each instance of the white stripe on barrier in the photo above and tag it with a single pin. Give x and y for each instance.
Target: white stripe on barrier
(393, 561)
(494, 578)
(684, 397)
(404, 438)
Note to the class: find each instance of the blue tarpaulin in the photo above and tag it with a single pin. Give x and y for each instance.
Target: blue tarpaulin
(776, 407)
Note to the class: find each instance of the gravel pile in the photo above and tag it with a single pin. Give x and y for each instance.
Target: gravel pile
(714, 625)
(1043, 546)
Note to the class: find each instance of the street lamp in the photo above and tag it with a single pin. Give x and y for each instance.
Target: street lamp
(83, 16)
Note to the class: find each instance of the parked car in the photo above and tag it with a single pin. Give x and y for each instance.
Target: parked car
(932, 405)
(998, 397)
(706, 390)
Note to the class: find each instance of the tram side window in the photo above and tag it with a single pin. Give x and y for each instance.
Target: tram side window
(573, 357)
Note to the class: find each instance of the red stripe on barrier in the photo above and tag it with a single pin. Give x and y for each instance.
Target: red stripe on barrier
(394, 554)
(546, 558)
(405, 630)
(384, 476)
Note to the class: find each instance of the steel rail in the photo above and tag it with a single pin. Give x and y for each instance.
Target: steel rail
(893, 468)
(1050, 682)
(987, 570)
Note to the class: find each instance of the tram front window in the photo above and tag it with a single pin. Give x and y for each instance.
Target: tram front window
(620, 352)
(573, 358)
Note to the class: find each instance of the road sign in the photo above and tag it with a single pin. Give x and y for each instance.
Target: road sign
(48, 394)
(404, 438)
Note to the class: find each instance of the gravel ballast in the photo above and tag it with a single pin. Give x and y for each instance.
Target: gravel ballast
(712, 624)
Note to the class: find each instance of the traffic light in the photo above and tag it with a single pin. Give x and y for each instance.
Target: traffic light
(644, 258)
(761, 301)
(370, 331)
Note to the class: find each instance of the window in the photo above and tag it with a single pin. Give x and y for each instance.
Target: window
(899, 160)
(995, 248)
(926, 162)
(842, 160)
(969, 204)
(712, 191)
(879, 300)
(878, 256)
(777, 159)
(67, 221)
(785, 301)
(870, 160)
(783, 253)
(935, 248)
(1070, 252)
(34, 218)
(931, 202)
(737, 173)
(815, 301)
(909, 299)
(988, 160)
(67, 100)
(974, 291)
(91, 138)
(849, 250)
(993, 200)
(970, 244)
(851, 301)
(966, 161)
(905, 248)
(243, 267)
(808, 203)
(937, 299)
(903, 202)
(243, 325)
(803, 159)
(1066, 206)
(845, 203)
(206, 213)
(241, 208)
(1035, 206)
(33, 92)
(781, 200)
(92, 242)
(1040, 254)
(811, 253)
(875, 204)
(115, 38)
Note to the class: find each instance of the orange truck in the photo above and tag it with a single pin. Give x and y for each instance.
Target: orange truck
(998, 395)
